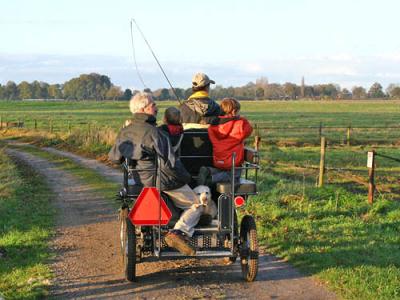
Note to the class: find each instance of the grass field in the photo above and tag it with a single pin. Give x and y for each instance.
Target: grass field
(330, 232)
(26, 219)
(282, 121)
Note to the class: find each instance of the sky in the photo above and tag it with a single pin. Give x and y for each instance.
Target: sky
(326, 41)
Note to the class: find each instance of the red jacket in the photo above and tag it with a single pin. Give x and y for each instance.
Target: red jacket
(228, 137)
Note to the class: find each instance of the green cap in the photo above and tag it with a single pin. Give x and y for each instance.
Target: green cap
(201, 79)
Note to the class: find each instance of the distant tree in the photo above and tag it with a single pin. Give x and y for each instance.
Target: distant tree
(261, 83)
(127, 94)
(274, 91)
(54, 91)
(11, 91)
(25, 90)
(260, 92)
(2, 92)
(44, 90)
(188, 92)
(36, 90)
(308, 91)
(215, 93)
(330, 91)
(344, 94)
(114, 93)
(180, 92)
(87, 86)
(358, 92)
(289, 90)
(164, 95)
(375, 91)
(147, 90)
(393, 91)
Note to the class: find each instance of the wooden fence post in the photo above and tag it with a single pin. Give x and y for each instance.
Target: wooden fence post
(371, 174)
(257, 138)
(322, 163)
(35, 122)
(348, 135)
(320, 130)
(69, 127)
(88, 133)
(257, 141)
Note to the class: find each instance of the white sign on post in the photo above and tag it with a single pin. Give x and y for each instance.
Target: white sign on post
(370, 160)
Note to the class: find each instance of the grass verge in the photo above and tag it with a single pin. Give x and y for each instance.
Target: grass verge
(332, 233)
(26, 224)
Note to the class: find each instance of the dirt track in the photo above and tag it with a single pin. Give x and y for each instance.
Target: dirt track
(87, 263)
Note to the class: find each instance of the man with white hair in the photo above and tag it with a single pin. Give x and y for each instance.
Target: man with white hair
(142, 142)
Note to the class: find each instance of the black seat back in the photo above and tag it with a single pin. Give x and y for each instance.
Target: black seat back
(196, 150)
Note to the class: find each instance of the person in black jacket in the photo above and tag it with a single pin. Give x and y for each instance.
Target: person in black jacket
(173, 126)
(199, 108)
(142, 142)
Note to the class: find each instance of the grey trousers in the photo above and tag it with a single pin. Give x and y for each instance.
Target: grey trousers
(218, 175)
(186, 199)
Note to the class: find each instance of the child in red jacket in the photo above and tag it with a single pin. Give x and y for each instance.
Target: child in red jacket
(227, 136)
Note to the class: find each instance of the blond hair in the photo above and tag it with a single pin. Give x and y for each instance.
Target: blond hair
(230, 106)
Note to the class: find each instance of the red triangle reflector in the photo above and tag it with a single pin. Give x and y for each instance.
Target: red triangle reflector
(146, 210)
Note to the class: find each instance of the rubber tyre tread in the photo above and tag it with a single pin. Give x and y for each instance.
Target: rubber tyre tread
(248, 228)
(130, 264)
(123, 213)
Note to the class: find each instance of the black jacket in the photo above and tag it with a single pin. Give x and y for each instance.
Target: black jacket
(199, 110)
(142, 142)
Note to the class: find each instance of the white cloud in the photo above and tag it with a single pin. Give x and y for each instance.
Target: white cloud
(342, 69)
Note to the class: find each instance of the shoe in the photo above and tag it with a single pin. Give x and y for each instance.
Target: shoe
(175, 239)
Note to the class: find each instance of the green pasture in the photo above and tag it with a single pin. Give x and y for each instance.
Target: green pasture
(286, 122)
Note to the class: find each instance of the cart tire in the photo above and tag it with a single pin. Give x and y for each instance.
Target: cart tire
(130, 259)
(122, 217)
(249, 248)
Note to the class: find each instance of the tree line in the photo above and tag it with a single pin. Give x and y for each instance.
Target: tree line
(99, 87)
(85, 87)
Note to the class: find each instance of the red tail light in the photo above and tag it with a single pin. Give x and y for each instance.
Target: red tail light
(239, 201)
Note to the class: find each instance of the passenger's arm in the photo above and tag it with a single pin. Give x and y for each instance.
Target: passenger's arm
(163, 148)
(115, 155)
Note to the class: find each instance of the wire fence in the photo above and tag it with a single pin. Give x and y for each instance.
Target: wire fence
(337, 135)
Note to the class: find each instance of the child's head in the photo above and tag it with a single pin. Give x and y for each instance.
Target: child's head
(172, 116)
(230, 106)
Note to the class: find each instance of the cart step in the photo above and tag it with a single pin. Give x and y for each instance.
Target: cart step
(201, 253)
(213, 227)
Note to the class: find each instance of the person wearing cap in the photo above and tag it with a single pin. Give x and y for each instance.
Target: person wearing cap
(200, 108)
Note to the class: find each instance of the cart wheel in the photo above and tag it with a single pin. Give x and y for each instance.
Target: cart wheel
(123, 214)
(130, 251)
(249, 248)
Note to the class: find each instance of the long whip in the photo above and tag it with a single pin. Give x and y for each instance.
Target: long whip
(133, 21)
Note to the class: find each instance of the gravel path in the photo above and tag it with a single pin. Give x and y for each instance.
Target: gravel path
(87, 263)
